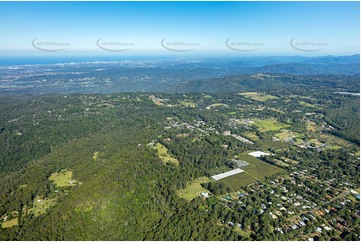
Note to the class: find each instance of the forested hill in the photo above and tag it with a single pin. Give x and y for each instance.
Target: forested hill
(264, 82)
(132, 166)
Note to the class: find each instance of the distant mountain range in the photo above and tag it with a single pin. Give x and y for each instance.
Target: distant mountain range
(298, 65)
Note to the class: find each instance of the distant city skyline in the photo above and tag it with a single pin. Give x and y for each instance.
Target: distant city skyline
(180, 28)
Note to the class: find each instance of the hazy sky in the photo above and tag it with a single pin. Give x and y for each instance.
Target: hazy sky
(262, 28)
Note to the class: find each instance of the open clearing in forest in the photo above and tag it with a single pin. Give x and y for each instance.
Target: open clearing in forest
(10, 223)
(194, 189)
(164, 156)
(207, 96)
(305, 104)
(40, 205)
(62, 178)
(286, 134)
(252, 136)
(264, 125)
(156, 101)
(257, 96)
(215, 105)
(188, 104)
(312, 126)
(276, 110)
(95, 155)
(334, 141)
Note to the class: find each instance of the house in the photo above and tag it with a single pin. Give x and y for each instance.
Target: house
(295, 226)
(272, 215)
(327, 228)
(353, 191)
(230, 224)
(318, 229)
(302, 223)
(313, 217)
(205, 194)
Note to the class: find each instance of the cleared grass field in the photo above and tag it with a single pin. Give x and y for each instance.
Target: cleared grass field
(164, 156)
(276, 110)
(63, 178)
(267, 143)
(315, 141)
(286, 134)
(312, 126)
(307, 104)
(257, 96)
(252, 136)
(333, 147)
(238, 180)
(289, 161)
(242, 232)
(156, 100)
(40, 205)
(265, 125)
(188, 104)
(215, 105)
(281, 163)
(256, 170)
(10, 223)
(95, 155)
(332, 140)
(193, 189)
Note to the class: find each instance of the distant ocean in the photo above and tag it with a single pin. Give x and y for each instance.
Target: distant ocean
(33, 60)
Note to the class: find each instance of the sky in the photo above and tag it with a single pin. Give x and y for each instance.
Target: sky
(195, 28)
